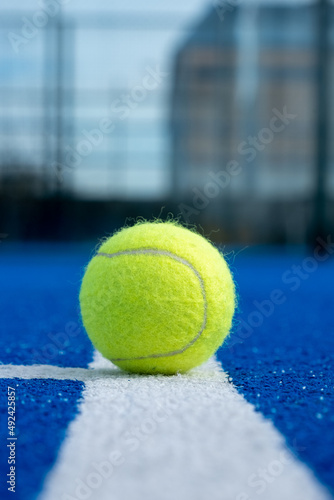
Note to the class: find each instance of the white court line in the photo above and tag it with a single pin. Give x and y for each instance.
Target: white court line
(56, 372)
(187, 437)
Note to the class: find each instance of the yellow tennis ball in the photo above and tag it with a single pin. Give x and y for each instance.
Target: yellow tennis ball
(157, 298)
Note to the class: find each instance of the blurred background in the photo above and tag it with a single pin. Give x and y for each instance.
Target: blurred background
(216, 111)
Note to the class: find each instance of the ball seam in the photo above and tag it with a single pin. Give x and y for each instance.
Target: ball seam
(165, 253)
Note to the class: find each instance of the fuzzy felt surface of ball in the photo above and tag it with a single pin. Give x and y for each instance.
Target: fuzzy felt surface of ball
(157, 298)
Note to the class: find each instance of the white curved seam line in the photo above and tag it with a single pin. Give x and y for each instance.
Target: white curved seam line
(152, 251)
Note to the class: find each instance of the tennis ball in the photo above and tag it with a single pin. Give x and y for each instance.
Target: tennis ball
(157, 298)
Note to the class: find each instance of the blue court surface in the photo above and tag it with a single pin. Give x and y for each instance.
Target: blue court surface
(279, 364)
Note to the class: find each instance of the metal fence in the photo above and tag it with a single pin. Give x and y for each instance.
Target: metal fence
(153, 107)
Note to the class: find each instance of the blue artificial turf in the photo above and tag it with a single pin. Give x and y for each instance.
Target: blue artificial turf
(44, 408)
(40, 320)
(285, 365)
